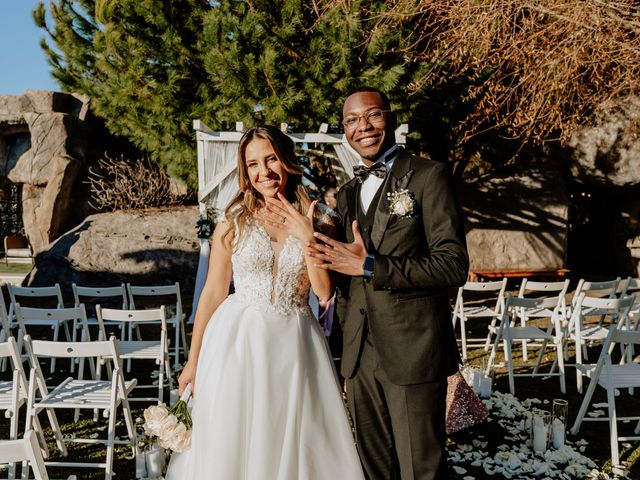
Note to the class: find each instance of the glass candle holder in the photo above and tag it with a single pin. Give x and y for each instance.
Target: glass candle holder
(540, 427)
(486, 385)
(560, 411)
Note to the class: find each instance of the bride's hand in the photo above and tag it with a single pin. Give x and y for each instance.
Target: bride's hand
(188, 376)
(284, 216)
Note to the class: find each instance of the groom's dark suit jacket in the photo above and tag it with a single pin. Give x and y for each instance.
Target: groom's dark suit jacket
(405, 305)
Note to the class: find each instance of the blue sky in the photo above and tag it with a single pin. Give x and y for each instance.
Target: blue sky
(22, 63)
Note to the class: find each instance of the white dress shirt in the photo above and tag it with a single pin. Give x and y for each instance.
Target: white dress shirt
(371, 185)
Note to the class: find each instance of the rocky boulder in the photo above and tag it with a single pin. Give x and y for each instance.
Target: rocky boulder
(517, 218)
(607, 153)
(145, 247)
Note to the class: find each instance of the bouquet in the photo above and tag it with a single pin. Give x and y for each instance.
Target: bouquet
(171, 426)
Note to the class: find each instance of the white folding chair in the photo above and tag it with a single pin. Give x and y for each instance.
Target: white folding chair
(541, 290)
(5, 324)
(115, 297)
(24, 450)
(75, 394)
(630, 286)
(73, 315)
(612, 377)
(27, 296)
(13, 393)
(464, 312)
(581, 332)
(5, 328)
(156, 350)
(509, 331)
(175, 317)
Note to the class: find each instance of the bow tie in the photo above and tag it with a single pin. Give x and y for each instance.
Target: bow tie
(361, 172)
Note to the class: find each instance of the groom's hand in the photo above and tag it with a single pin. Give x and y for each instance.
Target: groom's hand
(346, 258)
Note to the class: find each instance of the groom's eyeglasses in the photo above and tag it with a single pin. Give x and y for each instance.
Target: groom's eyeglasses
(372, 116)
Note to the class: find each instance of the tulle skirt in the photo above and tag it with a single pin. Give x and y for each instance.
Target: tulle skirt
(267, 403)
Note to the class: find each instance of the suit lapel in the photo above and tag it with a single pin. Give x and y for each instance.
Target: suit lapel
(397, 179)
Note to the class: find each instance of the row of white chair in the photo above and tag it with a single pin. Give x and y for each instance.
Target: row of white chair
(493, 308)
(95, 394)
(155, 349)
(122, 296)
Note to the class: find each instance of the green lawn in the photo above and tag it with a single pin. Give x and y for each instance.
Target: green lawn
(14, 267)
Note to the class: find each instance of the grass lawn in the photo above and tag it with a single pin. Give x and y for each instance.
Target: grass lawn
(14, 267)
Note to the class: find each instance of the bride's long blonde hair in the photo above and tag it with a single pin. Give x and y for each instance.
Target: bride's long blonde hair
(247, 202)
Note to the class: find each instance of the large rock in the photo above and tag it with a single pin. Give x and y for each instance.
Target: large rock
(517, 218)
(145, 247)
(607, 153)
(48, 140)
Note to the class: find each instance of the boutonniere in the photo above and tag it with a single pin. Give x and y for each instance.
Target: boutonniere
(401, 203)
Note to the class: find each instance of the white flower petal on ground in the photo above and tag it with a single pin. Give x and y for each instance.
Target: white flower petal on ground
(459, 470)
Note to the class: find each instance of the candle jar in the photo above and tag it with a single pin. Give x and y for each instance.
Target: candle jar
(477, 374)
(155, 462)
(486, 385)
(141, 466)
(560, 412)
(540, 427)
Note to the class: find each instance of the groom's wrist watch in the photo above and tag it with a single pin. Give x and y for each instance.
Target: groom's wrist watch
(368, 265)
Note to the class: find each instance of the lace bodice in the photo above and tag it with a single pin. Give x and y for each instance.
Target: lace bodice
(264, 278)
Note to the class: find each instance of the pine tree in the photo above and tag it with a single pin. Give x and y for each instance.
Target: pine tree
(150, 67)
(139, 62)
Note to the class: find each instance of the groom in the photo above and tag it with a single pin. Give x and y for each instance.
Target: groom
(405, 246)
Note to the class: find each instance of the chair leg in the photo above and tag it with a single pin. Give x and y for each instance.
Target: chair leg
(543, 348)
(463, 336)
(492, 355)
(560, 360)
(586, 401)
(508, 355)
(613, 427)
(108, 471)
(56, 331)
(176, 346)
(525, 352)
(183, 332)
(578, 363)
(491, 327)
(161, 383)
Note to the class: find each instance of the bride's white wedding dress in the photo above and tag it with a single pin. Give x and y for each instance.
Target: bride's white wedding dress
(267, 404)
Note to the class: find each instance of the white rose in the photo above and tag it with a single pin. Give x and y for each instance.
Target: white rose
(177, 438)
(153, 418)
(404, 205)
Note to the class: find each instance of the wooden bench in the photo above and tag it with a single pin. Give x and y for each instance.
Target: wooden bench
(477, 275)
(17, 250)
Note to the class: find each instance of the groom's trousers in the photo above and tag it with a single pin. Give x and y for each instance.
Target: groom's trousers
(400, 429)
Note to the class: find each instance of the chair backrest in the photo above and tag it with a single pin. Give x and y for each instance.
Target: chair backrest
(552, 287)
(157, 291)
(15, 241)
(94, 295)
(46, 348)
(499, 286)
(630, 285)
(25, 449)
(132, 316)
(9, 349)
(17, 294)
(612, 304)
(71, 313)
(608, 288)
(529, 303)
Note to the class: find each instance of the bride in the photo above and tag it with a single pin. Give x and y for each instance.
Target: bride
(266, 404)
